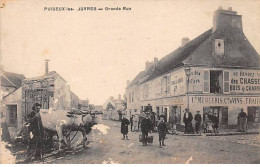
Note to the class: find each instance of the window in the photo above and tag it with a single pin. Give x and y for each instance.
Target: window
(206, 81)
(168, 84)
(164, 86)
(253, 114)
(216, 80)
(12, 113)
(219, 46)
(132, 97)
(129, 98)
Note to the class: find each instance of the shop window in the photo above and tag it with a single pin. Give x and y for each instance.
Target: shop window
(219, 46)
(253, 114)
(216, 82)
(12, 111)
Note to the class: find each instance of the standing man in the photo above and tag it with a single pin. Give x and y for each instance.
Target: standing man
(197, 119)
(145, 128)
(131, 122)
(162, 128)
(215, 122)
(187, 118)
(153, 121)
(35, 147)
(124, 127)
(242, 121)
(135, 122)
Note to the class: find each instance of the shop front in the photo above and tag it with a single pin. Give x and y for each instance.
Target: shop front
(226, 107)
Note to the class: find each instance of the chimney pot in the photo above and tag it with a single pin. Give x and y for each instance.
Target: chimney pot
(155, 61)
(47, 66)
(184, 41)
(230, 8)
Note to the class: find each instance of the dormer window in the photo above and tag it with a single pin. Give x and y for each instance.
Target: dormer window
(219, 46)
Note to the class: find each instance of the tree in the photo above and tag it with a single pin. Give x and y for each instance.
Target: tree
(110, 106)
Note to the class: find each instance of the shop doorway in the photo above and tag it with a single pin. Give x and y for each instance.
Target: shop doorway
(253, 114)
(220, 111)
(176, 111)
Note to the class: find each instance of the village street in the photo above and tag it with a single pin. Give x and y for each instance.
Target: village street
(106, 146)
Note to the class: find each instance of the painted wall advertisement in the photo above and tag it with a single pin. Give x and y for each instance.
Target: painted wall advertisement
(223, 100)
(245, 81)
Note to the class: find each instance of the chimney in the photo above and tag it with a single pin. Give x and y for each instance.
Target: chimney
(227, 20)
(47, 66)
(127, 83)
(155, 61)
(112, 98)
(119, 97)
(184, 41)
(148, 65)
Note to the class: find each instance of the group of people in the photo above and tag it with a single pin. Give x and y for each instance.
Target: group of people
(147, 127)
(210, 123)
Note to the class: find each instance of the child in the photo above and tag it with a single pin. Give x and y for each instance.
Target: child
(162, 128)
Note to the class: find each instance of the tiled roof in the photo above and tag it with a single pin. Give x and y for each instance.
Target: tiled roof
(238, 53)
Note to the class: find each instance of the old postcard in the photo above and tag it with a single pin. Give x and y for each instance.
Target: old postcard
(130, 82)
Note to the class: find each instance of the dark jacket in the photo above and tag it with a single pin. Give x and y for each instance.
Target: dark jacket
(242, 115)
(36, 126)
(162, 128)
(124, 125)
(189, 119)
(146, 125)
(197, 118)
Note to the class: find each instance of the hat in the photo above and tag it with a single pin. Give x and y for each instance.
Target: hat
(35, 106)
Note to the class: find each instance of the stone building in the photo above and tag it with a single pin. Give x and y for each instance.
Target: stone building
(11, 100)
(50, 90)
(216, 72)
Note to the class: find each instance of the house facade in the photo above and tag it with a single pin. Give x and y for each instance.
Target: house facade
(216, 72)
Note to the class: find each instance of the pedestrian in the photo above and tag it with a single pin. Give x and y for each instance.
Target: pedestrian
(153, 120)
(187, 118)
(135, 122)
(35, 147)
(131, 122)
(173, 122)
(242, 119)
(145, 128)
(206, 123)
(124, 127)
(197, 119)
(215, 122)
(162, 128)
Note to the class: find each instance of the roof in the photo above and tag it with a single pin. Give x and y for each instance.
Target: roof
(9, 79)
(52, 74)
(238, 53)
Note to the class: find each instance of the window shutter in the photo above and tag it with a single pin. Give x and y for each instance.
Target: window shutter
(206, 81)
(226, 82)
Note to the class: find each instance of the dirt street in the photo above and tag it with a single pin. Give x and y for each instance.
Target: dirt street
(109, 148)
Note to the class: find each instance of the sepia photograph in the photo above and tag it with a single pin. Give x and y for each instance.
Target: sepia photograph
(129, 82)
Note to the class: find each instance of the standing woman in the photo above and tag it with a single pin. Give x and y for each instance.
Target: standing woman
(124, 127)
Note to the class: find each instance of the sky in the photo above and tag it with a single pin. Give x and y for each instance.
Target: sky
(96, 52)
